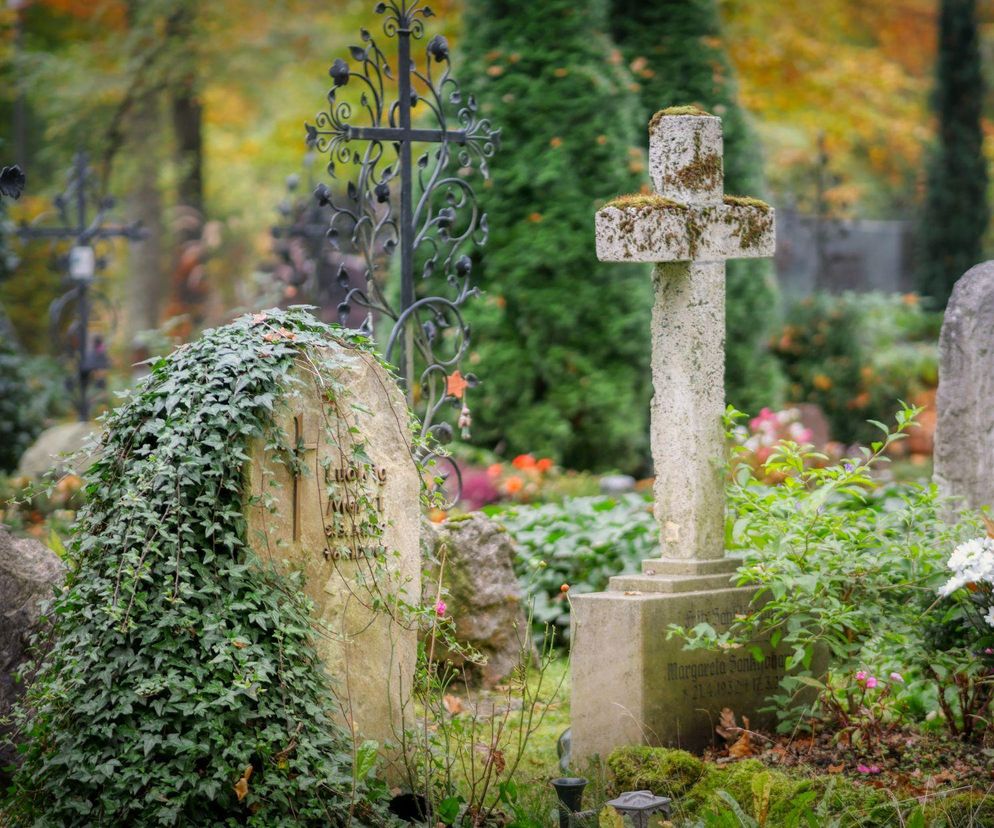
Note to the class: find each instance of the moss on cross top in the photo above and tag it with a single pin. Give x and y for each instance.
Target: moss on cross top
(672, 111)
(746, 201)
(644, 201)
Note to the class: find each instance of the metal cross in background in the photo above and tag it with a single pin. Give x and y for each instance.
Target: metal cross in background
(439, 223)
(83, 212)
(300, 239)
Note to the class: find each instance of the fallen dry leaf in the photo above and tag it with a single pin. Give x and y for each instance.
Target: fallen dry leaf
(837, 768)
(727, 728)
(241, 786)
(452, 703)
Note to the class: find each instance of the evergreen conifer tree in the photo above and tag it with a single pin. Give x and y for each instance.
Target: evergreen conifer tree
(561, 340)
(674, 49)
(956, 211)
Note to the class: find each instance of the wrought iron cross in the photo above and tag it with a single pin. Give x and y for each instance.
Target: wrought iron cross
(299, 447)
(304, 221)
(439, 222)
(81, 265)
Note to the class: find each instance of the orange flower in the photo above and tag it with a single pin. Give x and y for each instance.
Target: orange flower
(494, 470)
(821, 382)
(544, 464)
(523, 461)
(513, 485)
(437, 515)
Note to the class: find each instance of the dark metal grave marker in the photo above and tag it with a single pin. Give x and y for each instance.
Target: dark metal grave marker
(371, 129)
(85, 230)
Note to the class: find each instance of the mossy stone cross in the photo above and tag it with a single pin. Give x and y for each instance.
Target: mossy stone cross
(688, 228)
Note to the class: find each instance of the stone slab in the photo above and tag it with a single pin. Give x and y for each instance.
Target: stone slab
(656, 231)
(368, 654)
(964, 436)
(668, 583)
(631, 685)
(689, 566)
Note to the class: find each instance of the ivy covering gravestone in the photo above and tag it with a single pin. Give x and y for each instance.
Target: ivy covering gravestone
(182, 685)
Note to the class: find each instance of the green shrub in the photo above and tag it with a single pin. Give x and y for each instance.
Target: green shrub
(581, 542)
(179, 663)
(856, 356)
(20, 417)
(561, 340)
(838, 562)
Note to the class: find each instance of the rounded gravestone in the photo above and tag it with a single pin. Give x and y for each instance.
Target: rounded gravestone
(964, 436)
(349, 524)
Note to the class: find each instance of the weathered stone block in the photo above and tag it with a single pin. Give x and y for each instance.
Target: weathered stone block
(484, 597)
(633, 686)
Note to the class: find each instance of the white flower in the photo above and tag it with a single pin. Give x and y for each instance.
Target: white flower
(971, 562)
(989, 618)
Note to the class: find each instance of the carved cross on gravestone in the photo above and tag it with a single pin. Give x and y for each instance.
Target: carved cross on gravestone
(689, 229)
(299, 447)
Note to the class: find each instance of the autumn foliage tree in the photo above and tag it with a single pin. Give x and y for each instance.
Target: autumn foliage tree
(956, 210)
(560, 339)
(676, 53)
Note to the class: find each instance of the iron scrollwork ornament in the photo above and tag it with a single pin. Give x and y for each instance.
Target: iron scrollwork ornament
(423, 205)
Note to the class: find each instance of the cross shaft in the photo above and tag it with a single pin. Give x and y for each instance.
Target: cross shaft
(688, 228)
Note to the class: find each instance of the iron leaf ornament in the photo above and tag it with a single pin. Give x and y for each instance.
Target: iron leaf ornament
(407, 187)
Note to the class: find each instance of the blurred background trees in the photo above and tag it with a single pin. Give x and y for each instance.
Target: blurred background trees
(677, 55)
(193, 113)
(562, 340)
(956, 213)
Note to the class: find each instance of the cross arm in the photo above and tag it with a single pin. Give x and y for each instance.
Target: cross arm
(650, 228)
(433, 136)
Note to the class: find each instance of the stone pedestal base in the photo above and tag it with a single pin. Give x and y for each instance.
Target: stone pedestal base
(630, 685)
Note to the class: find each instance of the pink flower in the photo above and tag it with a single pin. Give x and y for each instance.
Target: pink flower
(897, 677)
(867, 768)
(861, 675)
(871, 682)
(440, 608)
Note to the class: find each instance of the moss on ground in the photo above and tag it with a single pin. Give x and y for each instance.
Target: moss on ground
(696, 787)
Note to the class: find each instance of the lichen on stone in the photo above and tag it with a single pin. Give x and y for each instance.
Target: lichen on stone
(671, 111)
(750, 226)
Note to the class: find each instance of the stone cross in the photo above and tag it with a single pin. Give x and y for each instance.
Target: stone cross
(688, 228)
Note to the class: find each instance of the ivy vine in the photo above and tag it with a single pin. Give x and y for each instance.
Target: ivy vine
(181, 684)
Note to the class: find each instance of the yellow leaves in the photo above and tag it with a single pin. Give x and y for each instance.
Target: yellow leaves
(242, 785)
